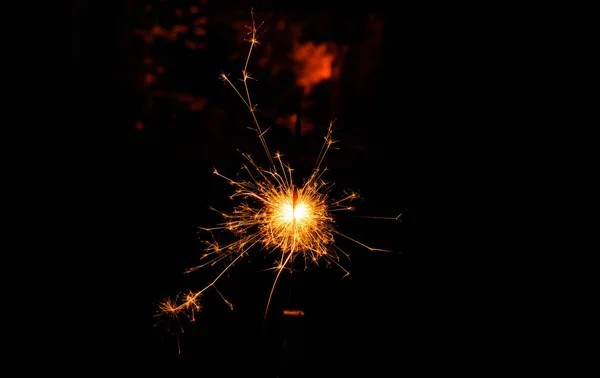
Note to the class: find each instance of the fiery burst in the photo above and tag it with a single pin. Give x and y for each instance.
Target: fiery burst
(273, 214)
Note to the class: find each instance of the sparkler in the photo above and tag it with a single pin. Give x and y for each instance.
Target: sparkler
(273, 214)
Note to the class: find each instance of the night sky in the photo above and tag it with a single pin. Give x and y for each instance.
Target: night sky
(154, 96)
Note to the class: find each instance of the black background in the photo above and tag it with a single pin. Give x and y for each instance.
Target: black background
(397, 311)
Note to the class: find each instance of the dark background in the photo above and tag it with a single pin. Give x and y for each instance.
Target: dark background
(154, 183)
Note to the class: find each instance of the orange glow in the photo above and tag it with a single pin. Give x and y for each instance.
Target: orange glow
(149, 79)
(179, 29)
(199, 31)
(289, 122)
(200, 21)
(190, 45)
(280, 25)
(159, 31)
(313, 64)
(195, 103)
(296, 313)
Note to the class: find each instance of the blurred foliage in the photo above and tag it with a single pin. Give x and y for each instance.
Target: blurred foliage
(321, 66)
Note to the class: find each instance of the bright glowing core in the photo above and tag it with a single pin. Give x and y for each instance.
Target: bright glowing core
(290, 214)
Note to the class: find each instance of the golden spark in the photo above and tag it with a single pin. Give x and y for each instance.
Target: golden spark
(273, 214)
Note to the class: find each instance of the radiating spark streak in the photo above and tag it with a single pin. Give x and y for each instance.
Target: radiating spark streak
(370, 217)
(273, 287)
(245, 76)
(253, 39)
(341, 267)
(342, 251)
(350, 197)
(361, 244)
(325, 147)
(168, 307)
(272, 213)
(286, 182)
(225, 300)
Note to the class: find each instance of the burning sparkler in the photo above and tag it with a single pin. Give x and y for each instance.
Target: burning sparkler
(273, 214)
